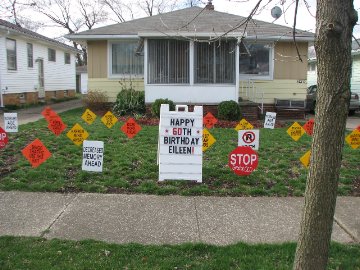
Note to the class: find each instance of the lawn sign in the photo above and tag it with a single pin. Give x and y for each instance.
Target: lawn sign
(77, 134)
(3, 138)
(270, 119)
(243, 124)
(88, 116)
(36, 152)
(296, 131)
(109, 119)
(249, 138)
(209, 120)
(243, 160)
(131, 128)
(208, 140)
(180, 143)
(11, 122)
(93, 155)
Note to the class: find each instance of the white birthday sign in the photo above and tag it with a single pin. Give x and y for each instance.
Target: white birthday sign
(180, 143)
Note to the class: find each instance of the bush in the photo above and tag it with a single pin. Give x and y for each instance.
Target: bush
(229, 110)
(130, 102)
(95, 100)
(155, 107)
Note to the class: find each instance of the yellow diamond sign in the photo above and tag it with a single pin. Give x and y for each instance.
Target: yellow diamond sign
(243, 124)
(77, 134)
(353, 139)
(109, 119)
(208, 140)
(305, 159)
(88, 116)
(296, 131)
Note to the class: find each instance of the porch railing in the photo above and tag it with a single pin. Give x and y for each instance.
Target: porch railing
(248, 91)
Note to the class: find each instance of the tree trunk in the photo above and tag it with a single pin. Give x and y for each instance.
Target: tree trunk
(335, 20)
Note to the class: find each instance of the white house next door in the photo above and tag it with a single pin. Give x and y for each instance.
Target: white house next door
(41, 90)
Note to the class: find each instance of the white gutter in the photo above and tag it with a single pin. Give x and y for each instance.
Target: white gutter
(280, 38)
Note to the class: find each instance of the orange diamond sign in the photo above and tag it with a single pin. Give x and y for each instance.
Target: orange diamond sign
(295, 131)
(88, 116)
(109, 119)
(36, 153)
(209, 120)
(309, 127)
(77, 134)
(56, 125)
(48, 113)
(243, 124)
(208, 140)
(131, 128)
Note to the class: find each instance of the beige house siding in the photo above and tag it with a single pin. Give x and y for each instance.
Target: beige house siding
(113, 87)
(286, 65)
(97, 59)
(269, 90)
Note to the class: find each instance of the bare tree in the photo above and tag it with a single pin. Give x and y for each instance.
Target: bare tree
(63, 13)
(335, 20)
(153, 7)
(120, 9)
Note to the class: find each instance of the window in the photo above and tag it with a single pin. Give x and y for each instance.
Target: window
(125, 60)
(51, 55)
(168, 61)
(311, 66)
(255, 59)
(11, 54)
(30, 55)
(67, 58)
(215, 62)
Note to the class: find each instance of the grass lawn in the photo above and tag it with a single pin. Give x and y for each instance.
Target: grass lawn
(39, 253)
(130, 164)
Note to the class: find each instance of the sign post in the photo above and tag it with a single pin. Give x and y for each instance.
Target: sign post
(180, 143)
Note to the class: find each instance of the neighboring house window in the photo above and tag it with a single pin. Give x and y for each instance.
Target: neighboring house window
(311, 67)
(125, 60)
(67, 58)
(168, 61)
(11, 54)
(30, 55)
(256, 60)
(51, 55)
(215, 62)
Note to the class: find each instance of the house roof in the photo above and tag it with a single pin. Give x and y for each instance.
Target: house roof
(193, 21)
(15, 29)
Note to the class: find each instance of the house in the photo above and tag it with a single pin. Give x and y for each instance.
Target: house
(197, 56)
(355, 71)
(33, 67)
(81, 79)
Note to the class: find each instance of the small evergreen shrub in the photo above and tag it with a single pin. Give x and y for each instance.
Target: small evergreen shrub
(95, 100)
(229, 110)
(130, 102)
(155, 107)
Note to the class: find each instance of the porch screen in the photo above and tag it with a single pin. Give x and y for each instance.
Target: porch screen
(215, 62)
(168, 61)
(125, 61)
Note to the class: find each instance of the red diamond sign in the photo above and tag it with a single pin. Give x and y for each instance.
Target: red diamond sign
(131, 128)
(209, 120)
(56, 125)
(36, 153)
(48, 113)
(3, 138)
(309, 127)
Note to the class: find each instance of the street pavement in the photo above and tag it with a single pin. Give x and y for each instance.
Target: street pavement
(150, 219)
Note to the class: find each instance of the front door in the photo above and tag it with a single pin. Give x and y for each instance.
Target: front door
(41, 78)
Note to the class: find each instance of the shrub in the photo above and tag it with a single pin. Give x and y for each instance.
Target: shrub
(229, 110)
(155, 107)
(130, 102)
(95, 100)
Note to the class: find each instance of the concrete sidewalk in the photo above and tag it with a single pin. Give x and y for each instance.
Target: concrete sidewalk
(33, 114)
(150, 219)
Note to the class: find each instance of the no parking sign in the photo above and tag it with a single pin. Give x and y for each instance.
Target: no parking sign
(249, 138)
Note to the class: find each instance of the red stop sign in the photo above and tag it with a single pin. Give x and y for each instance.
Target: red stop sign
(243, 160)
(3, 138)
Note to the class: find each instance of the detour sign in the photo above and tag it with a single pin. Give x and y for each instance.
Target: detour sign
(243, 160)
